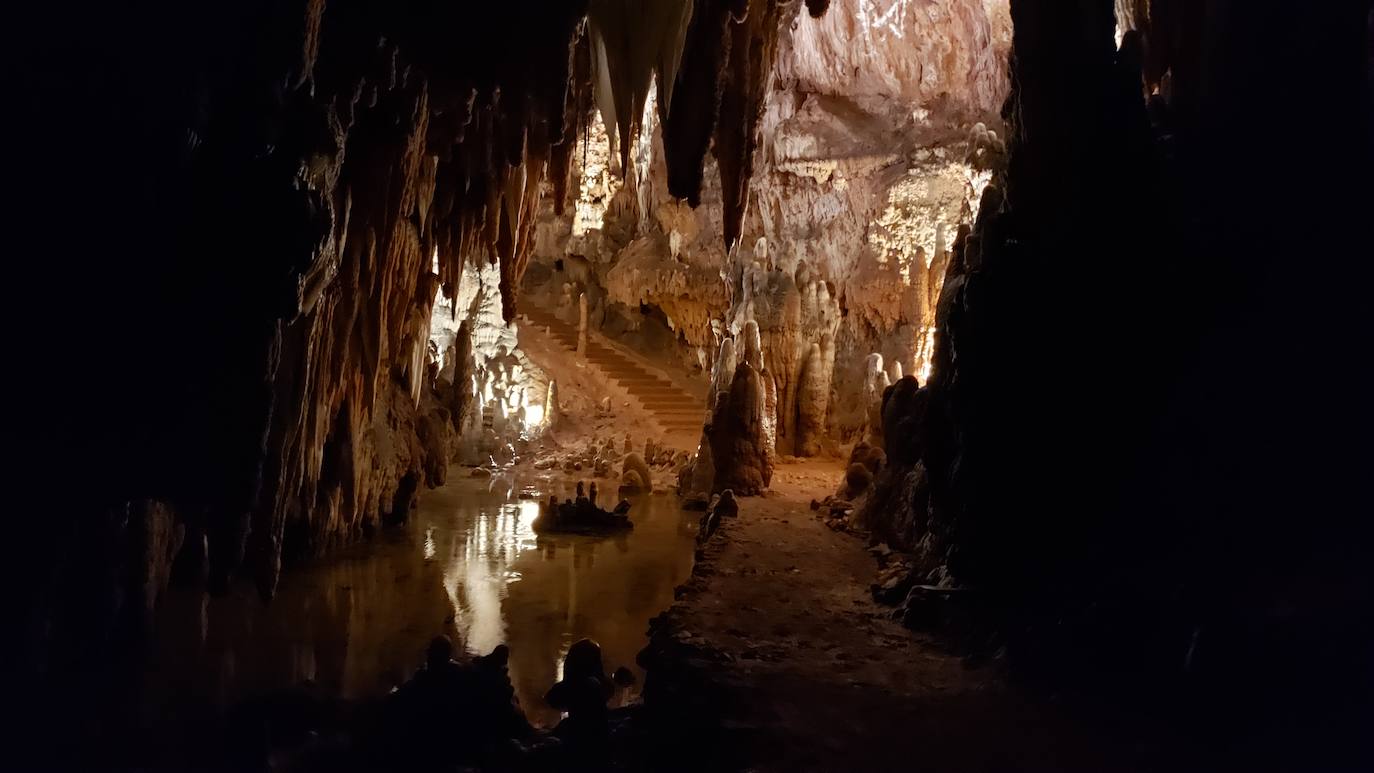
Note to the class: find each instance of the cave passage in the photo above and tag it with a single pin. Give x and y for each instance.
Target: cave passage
(692, 385)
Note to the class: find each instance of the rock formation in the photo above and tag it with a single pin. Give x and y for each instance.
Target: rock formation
(738, 435)
(553, 411)
(581, 516)
(635, 474)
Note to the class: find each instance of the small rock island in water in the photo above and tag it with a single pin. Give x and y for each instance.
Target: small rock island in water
(582, 516)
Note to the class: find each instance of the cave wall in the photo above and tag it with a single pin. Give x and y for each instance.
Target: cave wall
(1165, 496)
(277, 217)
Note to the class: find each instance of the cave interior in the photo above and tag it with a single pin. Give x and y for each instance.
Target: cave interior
(1014, 305)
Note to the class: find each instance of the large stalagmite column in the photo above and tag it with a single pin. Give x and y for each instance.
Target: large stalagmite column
(768, 388)
(738, 438)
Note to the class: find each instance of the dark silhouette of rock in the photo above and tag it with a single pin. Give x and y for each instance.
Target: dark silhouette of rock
(583, 693)
(582, 516)
(453, 712)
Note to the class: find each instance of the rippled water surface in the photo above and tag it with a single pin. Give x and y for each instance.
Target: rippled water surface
(468, 565)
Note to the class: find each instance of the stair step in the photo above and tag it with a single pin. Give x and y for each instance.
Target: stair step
(673, 409)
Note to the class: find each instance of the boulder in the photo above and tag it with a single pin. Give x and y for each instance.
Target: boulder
(635, 474)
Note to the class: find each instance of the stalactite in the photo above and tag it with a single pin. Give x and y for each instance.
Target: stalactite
(753, 41)
(688, 127)
(578, 106)
(634, 39)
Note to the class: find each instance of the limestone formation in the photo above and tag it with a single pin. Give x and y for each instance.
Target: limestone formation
(875, 382)
(699, 476)
(872, 457)
(738, 435)
(722, 505)
(723, 373)
(903, 416)
(582, 324)
(894, 372)
(812, 395)
(581, 516)
(553, 411)
(635, 474)
(857, 481)
(726, 505)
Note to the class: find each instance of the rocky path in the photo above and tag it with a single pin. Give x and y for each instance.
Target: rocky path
(678, 413)
(778, 628)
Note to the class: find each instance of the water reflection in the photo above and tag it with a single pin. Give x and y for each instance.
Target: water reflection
(470, 566)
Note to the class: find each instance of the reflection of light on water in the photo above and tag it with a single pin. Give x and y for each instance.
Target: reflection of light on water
(477, 571)
(429, 543)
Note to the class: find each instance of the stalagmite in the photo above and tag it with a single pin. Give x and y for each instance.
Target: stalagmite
(813, 392)
(875, 381)
(635, 473)
(553, 412)
(768, 420)
(753, 348)
(582, 324)
(738, 437)
(460, 401)
(723, 374)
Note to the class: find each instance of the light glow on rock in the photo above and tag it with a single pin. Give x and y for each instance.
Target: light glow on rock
(598, 185)
(534, 416)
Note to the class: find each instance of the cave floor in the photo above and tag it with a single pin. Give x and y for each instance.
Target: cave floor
(820, 677)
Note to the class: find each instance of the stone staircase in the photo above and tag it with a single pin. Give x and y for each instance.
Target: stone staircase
(678, 413)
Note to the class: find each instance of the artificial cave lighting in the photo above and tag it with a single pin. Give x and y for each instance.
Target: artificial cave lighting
(534, 416)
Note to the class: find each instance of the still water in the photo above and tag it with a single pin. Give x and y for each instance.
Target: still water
(468, 565)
